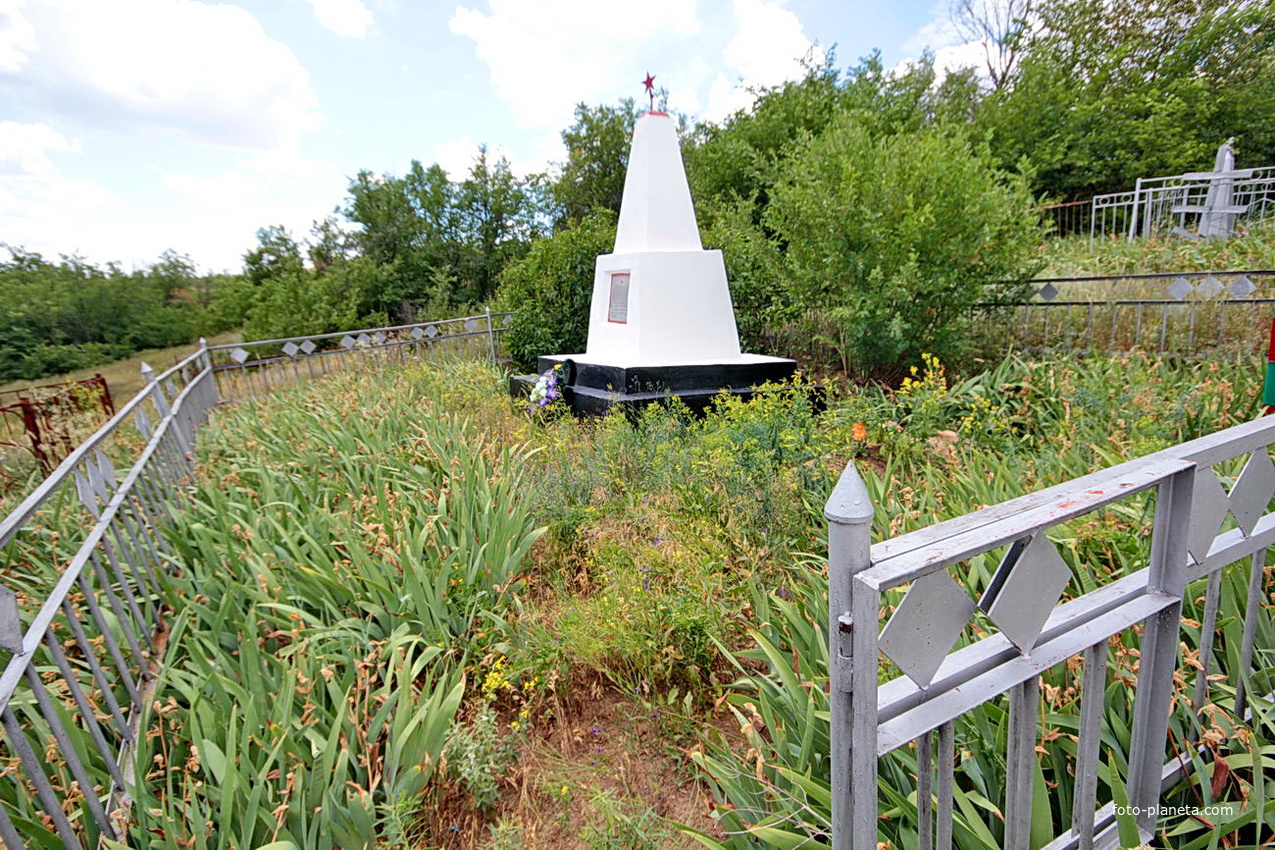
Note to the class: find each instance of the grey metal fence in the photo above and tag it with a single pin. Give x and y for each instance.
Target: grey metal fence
(82, 621)
(86, 571)
(248, 369)
(1181, 312)
(1068, 219)
(1023, 627)
(1159, 206)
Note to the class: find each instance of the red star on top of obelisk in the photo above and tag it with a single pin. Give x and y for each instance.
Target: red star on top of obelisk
(649, 82)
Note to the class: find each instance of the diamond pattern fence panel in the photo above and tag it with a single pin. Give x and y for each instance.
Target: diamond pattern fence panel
(994, 608)
(83, 618)
(1184, 313)
(252, 369)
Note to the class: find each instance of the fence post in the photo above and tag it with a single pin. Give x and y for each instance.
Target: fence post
(212, 398)
(31, 424)
(849, 513)
(10, 622)
(158, 398)
(104, 390)
(1133, 215)
(491, 333)
(1158, 661)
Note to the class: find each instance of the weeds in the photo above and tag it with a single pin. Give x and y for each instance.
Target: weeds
(376, 609)
(1078, 256)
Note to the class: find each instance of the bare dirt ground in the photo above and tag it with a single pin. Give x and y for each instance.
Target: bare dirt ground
(600, 770)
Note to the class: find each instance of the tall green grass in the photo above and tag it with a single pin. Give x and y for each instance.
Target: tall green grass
(1078, 256)
(1017, 427)
(386, 577)
(346, 555)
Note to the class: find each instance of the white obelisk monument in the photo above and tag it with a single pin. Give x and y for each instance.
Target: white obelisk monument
(659, 298)
(661, 321)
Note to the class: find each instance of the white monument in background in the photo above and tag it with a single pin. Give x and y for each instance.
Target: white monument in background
(661, 321)
(660, 297)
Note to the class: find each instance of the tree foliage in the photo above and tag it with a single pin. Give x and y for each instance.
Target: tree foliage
(550, 289)
(592, 178)
(869, 208)
(853, 210)
(60, 316)
(422, 228)
(895, 241)
(1107, 91)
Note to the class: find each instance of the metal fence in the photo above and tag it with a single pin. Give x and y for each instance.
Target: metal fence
(1068, 219)
(249, 369)
(47, 421)
(81, 655)
(1022, 628)
(1186, 312)
(82, 621)
(1159, 206)
(87, 575)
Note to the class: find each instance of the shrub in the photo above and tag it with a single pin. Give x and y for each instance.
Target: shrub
(894, 241)
(754, 267)
(549, 291)
(58, 359)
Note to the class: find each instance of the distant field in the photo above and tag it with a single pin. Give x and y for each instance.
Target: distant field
(124, 377)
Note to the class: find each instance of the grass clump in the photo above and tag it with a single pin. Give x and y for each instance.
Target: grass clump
(339, 574)
(1079, 256)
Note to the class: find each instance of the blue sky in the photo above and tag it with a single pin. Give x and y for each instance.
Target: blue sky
(132, 126)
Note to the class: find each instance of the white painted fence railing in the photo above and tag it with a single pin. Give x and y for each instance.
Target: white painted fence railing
(249, 369)
(82, 621)
(1162, 206)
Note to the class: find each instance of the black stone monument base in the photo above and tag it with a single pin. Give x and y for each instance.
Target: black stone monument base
(595, 388)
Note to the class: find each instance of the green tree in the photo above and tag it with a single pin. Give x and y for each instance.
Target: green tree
(65, 315)
(423, 231)
(597, 145)
(1107, 91)
(894, 241)
(550, 290)
(287, 299)
(499, 217)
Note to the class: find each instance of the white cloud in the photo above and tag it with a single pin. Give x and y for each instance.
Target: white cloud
(957, 46)
(24, 149)
(457, 155)
(546, 57)
(769, 45)
(343, 17)
(209, 72)
(17, 36)
(940, 32)
(970, 54)
(767, 50)
(36, 198)
(212, 216)
(220, 212)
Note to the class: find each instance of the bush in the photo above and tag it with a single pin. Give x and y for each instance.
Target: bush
(549, 291)
(46, 360)
(893, 241)
(754, 267)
